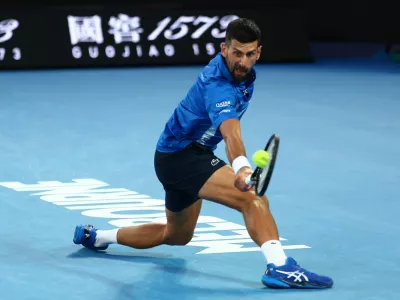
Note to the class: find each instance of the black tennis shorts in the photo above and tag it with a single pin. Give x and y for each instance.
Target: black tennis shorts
(183, 174)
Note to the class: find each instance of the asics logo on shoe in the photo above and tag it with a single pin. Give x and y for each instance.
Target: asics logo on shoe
(298, 276)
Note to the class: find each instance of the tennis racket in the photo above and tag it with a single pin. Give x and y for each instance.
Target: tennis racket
(262, 176)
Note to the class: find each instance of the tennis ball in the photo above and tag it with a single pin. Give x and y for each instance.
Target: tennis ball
(261, 158)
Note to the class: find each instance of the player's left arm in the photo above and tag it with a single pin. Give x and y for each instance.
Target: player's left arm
(222, 111)
(228, 155)
(232, 134)
(221, 108)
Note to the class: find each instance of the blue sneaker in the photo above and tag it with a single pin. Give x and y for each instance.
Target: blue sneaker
(291, 275)
(86, 235)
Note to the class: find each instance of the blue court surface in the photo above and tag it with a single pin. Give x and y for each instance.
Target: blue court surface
(76, 147)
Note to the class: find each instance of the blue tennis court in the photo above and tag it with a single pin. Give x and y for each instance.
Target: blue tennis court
(76, 147)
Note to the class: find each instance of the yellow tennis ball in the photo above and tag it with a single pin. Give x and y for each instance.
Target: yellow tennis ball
(261, 158)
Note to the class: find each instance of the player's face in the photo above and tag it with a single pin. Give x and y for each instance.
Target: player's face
(240, 58)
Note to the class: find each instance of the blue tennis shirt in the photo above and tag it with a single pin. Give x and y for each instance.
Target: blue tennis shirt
(213, 98)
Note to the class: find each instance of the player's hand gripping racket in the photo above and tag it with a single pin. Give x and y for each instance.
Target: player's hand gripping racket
(262, 175)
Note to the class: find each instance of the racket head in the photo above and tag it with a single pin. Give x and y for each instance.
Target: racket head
(262, 176)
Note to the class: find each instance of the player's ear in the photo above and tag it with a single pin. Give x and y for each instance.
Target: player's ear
(224, 49)
(259, 52)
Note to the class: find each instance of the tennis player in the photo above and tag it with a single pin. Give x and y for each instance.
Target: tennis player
(189, 171)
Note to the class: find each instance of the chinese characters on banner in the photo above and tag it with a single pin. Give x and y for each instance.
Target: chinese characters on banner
(132, 38)
(95, 37)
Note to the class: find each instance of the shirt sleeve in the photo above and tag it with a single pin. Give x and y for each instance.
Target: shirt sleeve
(220, 103)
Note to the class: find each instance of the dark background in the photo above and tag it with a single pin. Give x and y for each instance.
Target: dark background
(326, 20)
(293, 31)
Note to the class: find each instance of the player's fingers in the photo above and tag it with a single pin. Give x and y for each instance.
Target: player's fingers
(246, 188)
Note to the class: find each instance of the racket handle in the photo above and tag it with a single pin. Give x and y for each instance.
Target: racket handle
(248, 180)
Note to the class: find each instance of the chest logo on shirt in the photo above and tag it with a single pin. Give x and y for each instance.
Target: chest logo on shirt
(246, 92)
(223, 104)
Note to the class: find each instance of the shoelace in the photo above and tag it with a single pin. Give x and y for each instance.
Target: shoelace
(300, 269)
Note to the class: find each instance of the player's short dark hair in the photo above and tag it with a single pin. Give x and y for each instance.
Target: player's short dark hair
(243, 30)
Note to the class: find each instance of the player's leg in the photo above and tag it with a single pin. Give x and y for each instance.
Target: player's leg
(258, 219)
(181, 184)
(178, 230)
(282, 271)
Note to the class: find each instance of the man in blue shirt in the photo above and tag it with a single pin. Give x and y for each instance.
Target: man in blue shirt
(189, 171)
(215, 97)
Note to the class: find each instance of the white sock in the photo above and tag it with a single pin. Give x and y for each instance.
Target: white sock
(106, 237)
(273, 252)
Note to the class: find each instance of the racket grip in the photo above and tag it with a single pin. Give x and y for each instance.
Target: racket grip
(248, 180)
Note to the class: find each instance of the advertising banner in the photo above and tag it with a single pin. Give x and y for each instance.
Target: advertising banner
(100, 36)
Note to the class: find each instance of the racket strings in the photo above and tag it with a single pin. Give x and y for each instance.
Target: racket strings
(263, 175)
(264, 172)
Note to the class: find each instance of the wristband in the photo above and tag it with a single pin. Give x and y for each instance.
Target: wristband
(240, 162)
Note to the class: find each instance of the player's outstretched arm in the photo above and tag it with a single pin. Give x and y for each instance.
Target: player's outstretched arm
(231, 132)
(236, 152)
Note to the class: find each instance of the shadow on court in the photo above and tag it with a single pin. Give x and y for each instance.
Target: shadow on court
(167, 276)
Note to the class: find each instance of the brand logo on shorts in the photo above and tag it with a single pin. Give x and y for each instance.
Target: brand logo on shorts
(214, 162)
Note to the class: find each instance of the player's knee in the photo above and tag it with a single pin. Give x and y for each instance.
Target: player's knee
(253, 202)
(178, 238)
(184, 240)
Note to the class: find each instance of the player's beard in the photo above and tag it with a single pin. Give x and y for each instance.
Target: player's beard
(239, 73)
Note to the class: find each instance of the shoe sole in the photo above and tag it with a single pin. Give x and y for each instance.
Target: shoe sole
(279, 284)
